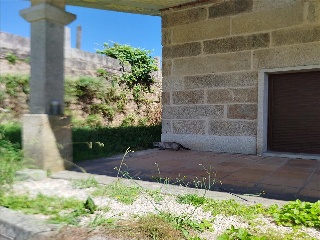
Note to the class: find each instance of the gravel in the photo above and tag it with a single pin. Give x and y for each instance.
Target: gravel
(146, 204)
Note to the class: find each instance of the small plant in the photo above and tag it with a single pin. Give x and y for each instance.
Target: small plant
(231, 208)
(118, 191)
(129, 120)
(85, 183)
(186, 225)
(239, 234)
(192, 199)
(155, 226)
(297, 213)
(11, 58)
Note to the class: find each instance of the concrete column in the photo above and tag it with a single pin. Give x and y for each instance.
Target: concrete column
(79, 36)
(47, 56)
(46, 132)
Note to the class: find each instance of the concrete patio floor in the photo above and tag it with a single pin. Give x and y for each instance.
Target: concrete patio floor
(278, 178)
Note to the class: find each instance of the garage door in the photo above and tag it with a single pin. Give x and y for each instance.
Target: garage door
(294, 112)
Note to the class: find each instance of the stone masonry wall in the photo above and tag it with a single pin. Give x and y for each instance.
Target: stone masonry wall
(77, 62)
(212, 53)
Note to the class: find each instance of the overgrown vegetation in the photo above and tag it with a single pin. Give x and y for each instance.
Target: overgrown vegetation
(11, 160)
(92, 102)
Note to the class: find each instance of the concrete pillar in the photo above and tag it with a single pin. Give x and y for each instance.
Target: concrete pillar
(46, 132)
(79, 36)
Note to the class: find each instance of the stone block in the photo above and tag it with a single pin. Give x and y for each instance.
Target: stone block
(235, 79)
(188, 97)
(232, 128)
(232, 95)
(188, 127)
(193, 112)
(31, 175)
(268, 20)
(182, 50)
(227, 8)
(174, 18)
(198, 31)
(245, 95)
(166, 126)
(172, 84)
(220, 96)
(303, 34)
(259, 5)
(235, 44)
(226, 62)
(314, 12)
(242, 111)
(166, 98)
(287, 56)
(47, 140)
(230, 144)
(166, 36)
(166, 67)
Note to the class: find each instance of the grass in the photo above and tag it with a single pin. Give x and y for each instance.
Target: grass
(90, 182)
(118, 191)
(159, 225)
(50, 206)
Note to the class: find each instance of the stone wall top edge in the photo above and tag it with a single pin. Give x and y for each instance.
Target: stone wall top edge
(181, 8)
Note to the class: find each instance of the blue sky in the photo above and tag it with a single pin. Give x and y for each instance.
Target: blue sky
(98, 26)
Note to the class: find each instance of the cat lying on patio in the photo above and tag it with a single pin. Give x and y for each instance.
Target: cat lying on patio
(169, 145)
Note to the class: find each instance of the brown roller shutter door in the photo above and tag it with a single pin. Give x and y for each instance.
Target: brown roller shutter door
(294, 112)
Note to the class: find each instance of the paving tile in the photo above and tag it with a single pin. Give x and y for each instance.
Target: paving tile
(274, 161)
(229, 166)
(246, 161)
(291, 179)
(281, 178)
(237, 183)
(248, 175)
(279, 189)
(261, 166)
(286, 168)
(305, 163)
(314, 182)
(310, 193)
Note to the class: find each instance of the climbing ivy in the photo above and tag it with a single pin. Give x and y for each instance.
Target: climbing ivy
(142, 65)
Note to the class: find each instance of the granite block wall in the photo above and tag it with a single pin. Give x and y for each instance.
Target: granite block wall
(213, 52)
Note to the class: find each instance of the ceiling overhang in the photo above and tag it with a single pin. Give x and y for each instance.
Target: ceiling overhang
(147, 7)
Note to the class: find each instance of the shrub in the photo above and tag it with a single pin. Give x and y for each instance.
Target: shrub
(107, 141)
(11, 160)
(90, 143)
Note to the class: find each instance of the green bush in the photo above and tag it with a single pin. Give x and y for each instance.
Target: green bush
(12, 133)
(90, 143)
(297, 213)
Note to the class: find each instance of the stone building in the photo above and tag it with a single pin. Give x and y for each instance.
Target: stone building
(242, 76)
(239, 76)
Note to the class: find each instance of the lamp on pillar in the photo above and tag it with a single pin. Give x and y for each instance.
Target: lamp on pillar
(46, 132)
